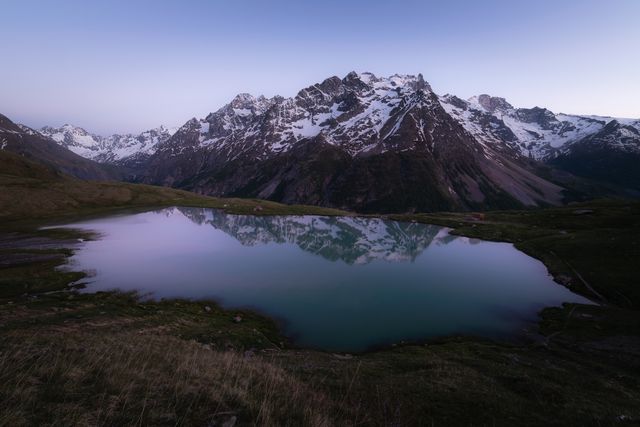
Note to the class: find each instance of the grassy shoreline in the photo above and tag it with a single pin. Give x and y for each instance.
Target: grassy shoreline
(589, 247)
(75, 358)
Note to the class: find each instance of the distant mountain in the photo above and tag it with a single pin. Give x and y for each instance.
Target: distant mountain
(594, 147)
(35, 147)
(379, 144)
(612, 154)
(129, 149)
(533, 132)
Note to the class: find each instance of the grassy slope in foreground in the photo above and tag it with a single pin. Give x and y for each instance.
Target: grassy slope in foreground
(110, 359)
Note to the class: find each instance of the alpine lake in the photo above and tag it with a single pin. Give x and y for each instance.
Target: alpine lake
(333, 283)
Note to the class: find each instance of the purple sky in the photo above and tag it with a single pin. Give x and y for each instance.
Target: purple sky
(122, 66)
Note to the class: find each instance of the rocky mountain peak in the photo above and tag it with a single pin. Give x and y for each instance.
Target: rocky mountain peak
(611, 125)
(243, 101)
(357, 117)
(354, 81)
(332, 85)
(540, 116)
(493, 103)
(110, 149)
(368, 77)
(421, 84)
(623, 136)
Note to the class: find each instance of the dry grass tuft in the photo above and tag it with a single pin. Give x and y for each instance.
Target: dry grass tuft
(132, 379)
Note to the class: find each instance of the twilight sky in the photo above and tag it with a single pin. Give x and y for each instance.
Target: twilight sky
(127, 66)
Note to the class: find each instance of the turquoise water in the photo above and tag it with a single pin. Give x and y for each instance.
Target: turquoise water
(335, 283)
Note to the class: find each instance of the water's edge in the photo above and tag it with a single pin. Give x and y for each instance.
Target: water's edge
(526, 334)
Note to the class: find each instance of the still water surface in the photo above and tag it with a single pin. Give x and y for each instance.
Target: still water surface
(336, 283)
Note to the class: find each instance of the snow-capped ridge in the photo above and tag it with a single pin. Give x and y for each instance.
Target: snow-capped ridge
(111, 149)
(360, 112)
(531, 132)
(350, 112)
(490, 103)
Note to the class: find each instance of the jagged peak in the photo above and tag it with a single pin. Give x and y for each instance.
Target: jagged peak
(401, 79)
(355, 80)
(490, 103)
(332, 85)
(65, 128)
(612, 124)
(368, 80)
(191, 122)
(352, 75)
(243, 100)
(421, 84)
(616, 125)
(455, 101)
(70, 127)
(368, 77)
(162, 129)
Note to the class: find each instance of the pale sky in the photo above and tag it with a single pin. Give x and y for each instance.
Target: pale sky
(127, 66)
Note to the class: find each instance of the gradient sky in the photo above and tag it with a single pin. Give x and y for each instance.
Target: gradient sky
(126, 66)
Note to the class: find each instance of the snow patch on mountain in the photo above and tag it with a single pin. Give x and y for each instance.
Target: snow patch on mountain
(349, 112)
(532, 132)
(111, 149)
(618, 135)
(361, 113)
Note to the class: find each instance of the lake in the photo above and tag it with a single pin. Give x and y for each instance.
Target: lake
(334, 283)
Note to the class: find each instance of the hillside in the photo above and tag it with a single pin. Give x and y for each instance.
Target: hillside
(35, 147)
(30, 190)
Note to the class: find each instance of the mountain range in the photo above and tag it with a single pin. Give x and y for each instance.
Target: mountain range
(369, 143)
(126, 149)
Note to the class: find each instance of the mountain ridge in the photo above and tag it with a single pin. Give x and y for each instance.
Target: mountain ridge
(280, 149)
(244, 105)
(371, 143)
(123, 149)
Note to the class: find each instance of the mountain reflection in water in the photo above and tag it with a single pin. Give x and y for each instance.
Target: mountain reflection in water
(337, 283)
(354, 240)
